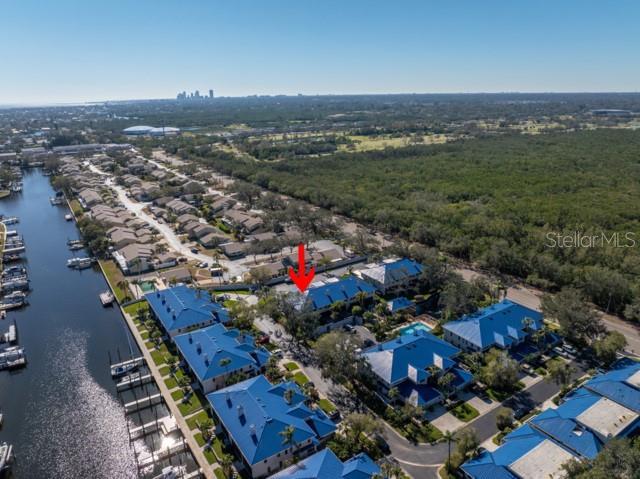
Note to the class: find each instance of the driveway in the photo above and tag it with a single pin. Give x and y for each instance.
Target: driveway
(233, 269)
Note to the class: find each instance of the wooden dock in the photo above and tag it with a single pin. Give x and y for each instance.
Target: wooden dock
(143, 403)
(133, 380)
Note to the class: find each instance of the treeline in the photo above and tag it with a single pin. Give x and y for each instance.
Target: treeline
(497, 202)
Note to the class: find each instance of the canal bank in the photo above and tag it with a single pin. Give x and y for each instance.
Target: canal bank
(62, 413)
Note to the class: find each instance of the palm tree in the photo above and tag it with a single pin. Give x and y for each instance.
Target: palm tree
(123, 285)
(226, 461)
(185, 385)
(206, 428)
(224, 363)
(287, 435)
(449, 437)
(288, 395)
(360, 298)
(393, 394)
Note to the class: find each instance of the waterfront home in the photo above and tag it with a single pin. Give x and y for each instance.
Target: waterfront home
(89, 198)
(216, 353)
(502, 325)
(269, 424)
(392, 275)
(134, 258)
(121, 237)
(604, 408)
(411, 364)
(322, 295)
(242, 221)
(325, 464)
(181, 309)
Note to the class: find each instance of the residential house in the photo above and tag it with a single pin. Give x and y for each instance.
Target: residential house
(604, 408)
(502, 325)
(179, 207)
(393, 275)
(412, 364)
(325, 464)
(216, 353)
(256, 415)
(89, 198)
(134, 258)
(234, 250)
(322, 295)
(121, 237)
(181, 309)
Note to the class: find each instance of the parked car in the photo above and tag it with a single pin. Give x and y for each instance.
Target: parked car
(195, 250)
(349, 328)
(382, 444)
(570, 349)
(561, 352)
(277, 353)
(203, 265)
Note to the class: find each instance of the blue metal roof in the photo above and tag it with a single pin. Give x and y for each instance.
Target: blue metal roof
(499, 324)
(326, 465)
(255, 413)
(205, 349)
(517, 444)
(617, 385)
(398, 304)
(392, 272)
(181, 307)
(346, 289)
(409, 356)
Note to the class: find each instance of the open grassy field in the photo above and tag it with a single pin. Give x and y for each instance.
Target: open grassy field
(368, 143)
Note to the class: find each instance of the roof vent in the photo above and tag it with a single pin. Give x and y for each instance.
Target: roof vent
(240, 410)
(198, 347)
(190, 338)
(206, 359)
(252, 430)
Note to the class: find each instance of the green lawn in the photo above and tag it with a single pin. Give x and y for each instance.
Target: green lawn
(76, 208)
(186, 408)
(425, 433)
(300, 378)
(218, 472)
(177, 395)
(132, 309)
(165, 370)
(114, 275)
(326, 405)
(199, 439)
(465, 412)
(171, 383)
(218, 448)
(500, 396)
(193, 421)
(291, 366)
(144, 334)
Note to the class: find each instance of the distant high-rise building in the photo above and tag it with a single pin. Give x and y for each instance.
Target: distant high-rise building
(211, 94)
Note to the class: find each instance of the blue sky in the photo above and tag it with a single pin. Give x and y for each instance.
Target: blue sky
(71, 50)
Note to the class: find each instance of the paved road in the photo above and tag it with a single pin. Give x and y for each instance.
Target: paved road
(531, 298)
(233, 269)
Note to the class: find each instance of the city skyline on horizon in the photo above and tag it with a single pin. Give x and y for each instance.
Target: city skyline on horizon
(150, 50)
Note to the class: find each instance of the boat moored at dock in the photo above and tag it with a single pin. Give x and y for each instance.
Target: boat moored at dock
(10, 220)
(68, 217)
(80, 263)
(6, 456)
(12, 358)
(106, 298)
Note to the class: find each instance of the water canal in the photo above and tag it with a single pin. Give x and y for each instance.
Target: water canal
(61, 412)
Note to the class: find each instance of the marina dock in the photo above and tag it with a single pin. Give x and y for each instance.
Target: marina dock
(143, 403)
(133, 380)
(117, 367)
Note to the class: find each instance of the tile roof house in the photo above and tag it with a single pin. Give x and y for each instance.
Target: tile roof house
(134, 258)
(393, 275)
(326, 465)
(501, 325)
(411, 363)
(605, 407)
(214, 353)
(255, 415)
(181, 309)
(321, 295)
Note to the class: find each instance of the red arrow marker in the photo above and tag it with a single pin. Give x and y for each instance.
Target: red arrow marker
(301, 278)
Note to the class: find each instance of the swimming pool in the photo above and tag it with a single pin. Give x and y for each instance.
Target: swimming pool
(147, 286)
(414, 327)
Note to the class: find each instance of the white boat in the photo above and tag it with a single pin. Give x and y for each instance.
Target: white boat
(68, 217)
(79, 263)
(6, 456)
(13, 357)
(106, 298)
(1, 419)
(56, 200)
(10, 220)
(76, 246)
(123, 370)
